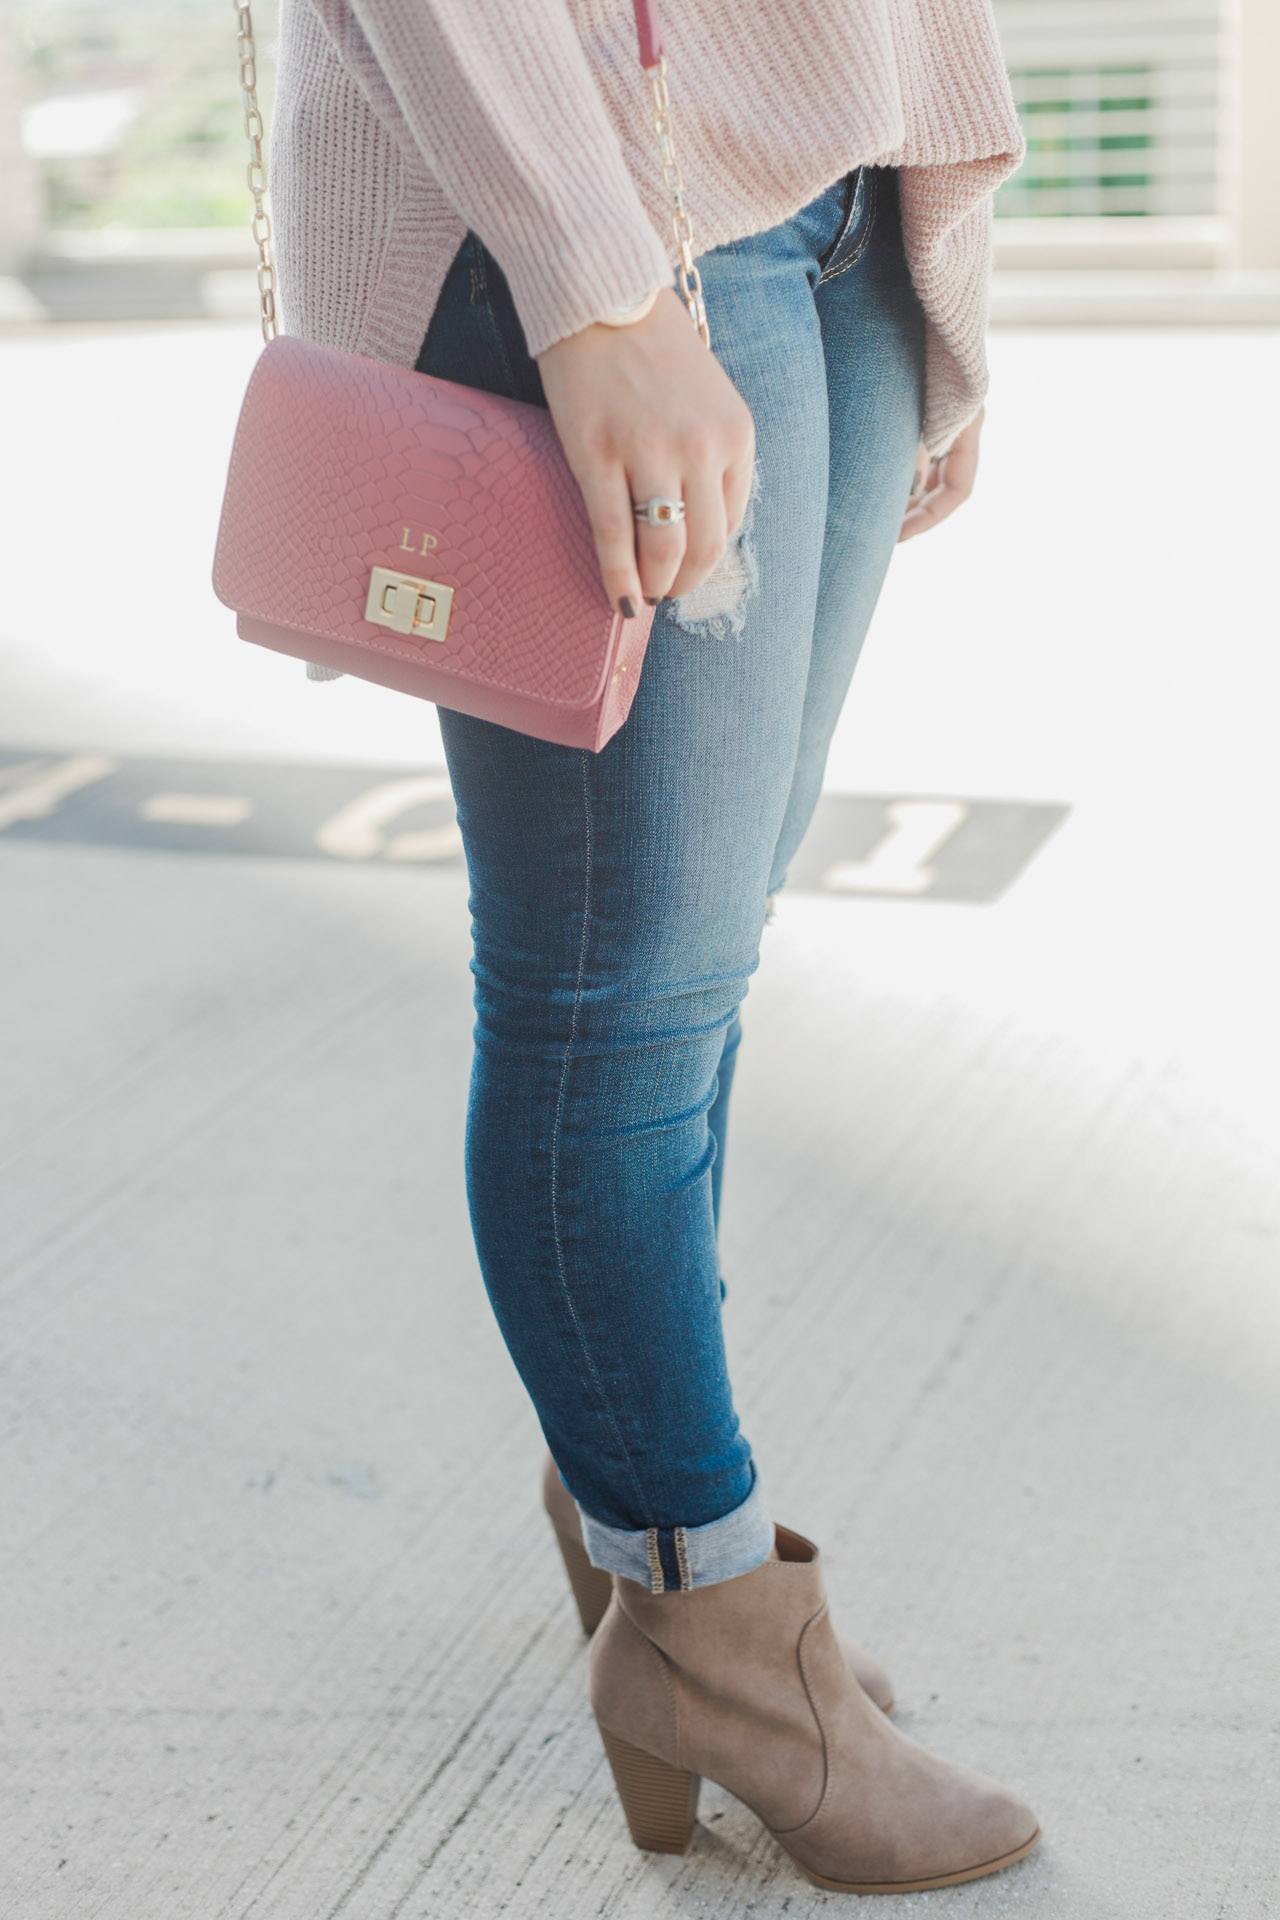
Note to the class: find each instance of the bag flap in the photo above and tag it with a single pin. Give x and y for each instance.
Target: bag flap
(343, 465)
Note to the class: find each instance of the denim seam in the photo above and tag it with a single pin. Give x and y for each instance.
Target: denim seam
(724, 1548)
(863, 243)
(846, 220)
(556, 1130)
(657, 1578)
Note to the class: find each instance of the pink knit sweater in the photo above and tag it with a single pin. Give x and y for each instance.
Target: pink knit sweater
(401, 123)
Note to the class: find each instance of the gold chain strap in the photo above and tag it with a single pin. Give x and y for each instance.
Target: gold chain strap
(256, 171)
(688, 278)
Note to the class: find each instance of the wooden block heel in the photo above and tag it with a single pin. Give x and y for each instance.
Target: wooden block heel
(660, 1801)
(592, 1587)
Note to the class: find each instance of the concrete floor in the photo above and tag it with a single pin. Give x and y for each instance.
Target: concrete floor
(281, 1631)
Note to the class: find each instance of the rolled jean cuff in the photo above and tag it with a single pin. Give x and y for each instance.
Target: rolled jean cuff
(673, 1559)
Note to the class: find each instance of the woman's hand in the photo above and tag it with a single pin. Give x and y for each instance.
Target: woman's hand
(645, 411)
(942, 485)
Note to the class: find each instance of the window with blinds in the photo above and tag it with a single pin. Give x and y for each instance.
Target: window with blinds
(1120, 101)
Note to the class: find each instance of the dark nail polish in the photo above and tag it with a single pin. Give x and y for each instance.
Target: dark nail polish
(627, 608)
(651, 603)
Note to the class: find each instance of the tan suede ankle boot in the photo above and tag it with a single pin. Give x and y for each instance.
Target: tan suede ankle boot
(593, 1588)
(744, 1682)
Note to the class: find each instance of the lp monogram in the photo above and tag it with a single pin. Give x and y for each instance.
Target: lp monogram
(407, 545)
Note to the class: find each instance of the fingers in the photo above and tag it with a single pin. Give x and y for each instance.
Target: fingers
(660, 551)
(737, 483)
(929, 507)
(646, 411)
(960, 465)
(671, 560)
(639, 561)
(706, 529)
(608, 503)
(949, 484)
(676, 559)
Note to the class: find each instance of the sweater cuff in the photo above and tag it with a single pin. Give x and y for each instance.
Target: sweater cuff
(564, 277)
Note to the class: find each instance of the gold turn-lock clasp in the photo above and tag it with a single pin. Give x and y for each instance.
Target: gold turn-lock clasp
(419, 609)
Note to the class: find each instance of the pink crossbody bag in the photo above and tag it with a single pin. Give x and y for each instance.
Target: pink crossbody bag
(420, 534)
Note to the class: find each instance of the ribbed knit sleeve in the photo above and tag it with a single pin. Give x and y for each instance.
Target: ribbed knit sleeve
(399, 123)
(502, 105)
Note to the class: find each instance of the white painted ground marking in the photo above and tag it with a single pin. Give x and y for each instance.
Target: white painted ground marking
(899, 862)
(356, 831)
(18, 771)
(197, 809)
(42, 785)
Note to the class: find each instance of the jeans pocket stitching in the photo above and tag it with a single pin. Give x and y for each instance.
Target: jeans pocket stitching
(864, 237)
(852, 182)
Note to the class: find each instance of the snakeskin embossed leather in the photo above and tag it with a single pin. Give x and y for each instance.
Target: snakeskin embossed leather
(342, 464)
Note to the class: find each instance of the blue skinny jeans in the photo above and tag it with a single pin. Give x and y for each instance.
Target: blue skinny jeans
(618, 899)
